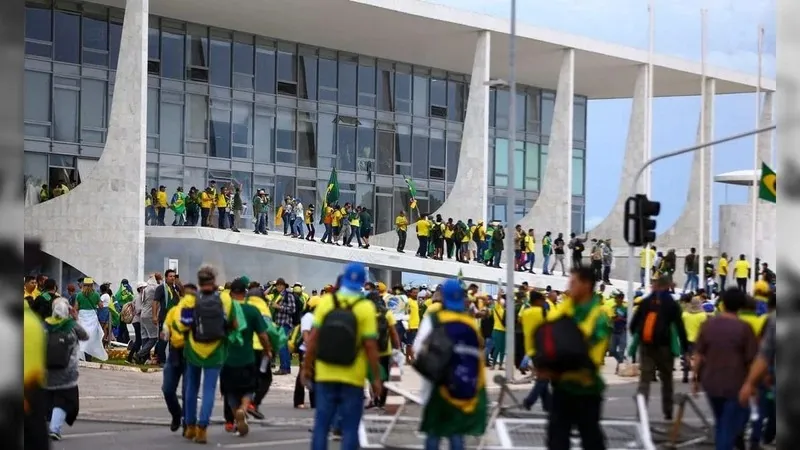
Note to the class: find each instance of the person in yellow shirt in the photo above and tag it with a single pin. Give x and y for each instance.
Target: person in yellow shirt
(412, 311)
(401, 226)
(646, 258)
(693, 319)
(336, 223)
(149, 212)
(222, 208)
(30, 289)
(206, 204)
(748, 315)
(175, 364)
(722, 270)
(423, 233)
(392, 341)
(255, 297)
(161, 205)
(309, 220)
(338, 370)
(499, 332)
(761, 292)
(741, 271)
(531, 318)
(33, 379)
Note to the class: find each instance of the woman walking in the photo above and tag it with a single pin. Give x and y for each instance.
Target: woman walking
(88, 302)
(136, 322)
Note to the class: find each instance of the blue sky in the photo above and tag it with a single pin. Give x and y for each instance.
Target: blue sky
(732, 43)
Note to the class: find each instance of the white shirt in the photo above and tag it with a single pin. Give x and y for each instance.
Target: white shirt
(106, 299)
(306, 323)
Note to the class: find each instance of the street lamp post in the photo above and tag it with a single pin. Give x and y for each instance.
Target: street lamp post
(511, 190)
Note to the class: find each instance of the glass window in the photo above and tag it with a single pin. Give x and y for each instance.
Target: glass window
(347, 82)
(193, 177)
(453, 151)
(501, 162)
(402, 93)
(519, 165)
(265, 70)
(386, 140)
(152, 115)
(197, 43)
(437, 148)
(287, 72)
(284, 186)
(328, 84)
(421, 96)
(492, 106)
(172, 60)
(264, 131)
(35, 170)
(326, 135)
(519, 107)
(456, 100)
(245, 182)
(114, 40)
(365, 193)
(65, 115)
(346, 148)
(578, 219)
(438, 92)
(93, 103)
(579, 120)
(542, 164)
(286, 129)
(171, 124)
(67, 37)
(548, 107)
(383, 216)
(577, 176)
(220, 68)
(197, 117)
(501, 109)
(306, 141)
(243, 57)
(220, 132)
(153, 44)
(403, 147)
(402, 200)
(37, 96)
(242, 125)
(420, 162)
(38, 27)
(366, 86)
(366, 141)
(532, 118)
(531, 166)
(436, 199)
(385, 90)
(95, 41)
(308, 77)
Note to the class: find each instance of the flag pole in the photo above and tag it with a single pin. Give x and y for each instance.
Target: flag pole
(703, 138)
(757, 140)
(648, 127)
(511, 191)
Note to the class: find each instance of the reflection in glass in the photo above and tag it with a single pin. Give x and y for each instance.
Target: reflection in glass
(326, 135)
(438, 92)
(152, 112)
(453, 152)
(542, 165)
(492, 108)
(220, 68)
(531, 166)
(532, 110)
(402, 86)
(287, 66)
(171, 127)
(284, 186)
(383, 217)
(243, 58)
(328, 84)
(437, 148)
(501, 162)
(402, 152)
(385, 90)
(37, 96)
(579, 120)
(153, 41)
(421, 96)
(436, 199)
(385, 152)
(548, 107)
(365, 193)
(366, 86)
(93, 103)
(37, 24)
(242, 125)
(578, 176)
(501, 109)
(172, 59)
(67, 39)
(347, 82)
(197, 116)
(265, 70)
(95, 41)
(456, 101)
(366, 142)
(346, 148)
(197, 43)
(114, 39)
(519, 165)
(306, 144)
(264, 131)
(65, 115)
(285, 125)
(220, 134)
(420, 165)
(519, 106)
(245, 182)
(308, 77)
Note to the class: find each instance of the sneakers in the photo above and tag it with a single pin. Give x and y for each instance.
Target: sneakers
(175, 424)
(55, 436)
(253, 411)
(241, 422)
(230, 427)
(201, 435)
(190, 432)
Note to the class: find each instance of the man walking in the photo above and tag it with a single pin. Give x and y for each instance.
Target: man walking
(284, 309)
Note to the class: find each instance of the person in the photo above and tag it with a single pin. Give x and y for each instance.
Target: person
(284, 306)
(255, 297)
(63, 352)
(531, 319)
(401, 226)
(741, 271)
(459, 407)
(619, 335)
(423, 232)
(34, 368)
(104, 311)
(547, 249)
(148, 320)
(691, 267)
(165, 298)
(498, 311)
(722, 270)
(306, 324)
(339, 370)
(42, 304)
(693, 319)
(88, 302)
(724, 351)
(387, 340)
(136, 345)
(559, 254)
(175, 364)
(760, 383)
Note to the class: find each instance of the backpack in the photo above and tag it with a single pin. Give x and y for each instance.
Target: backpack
(209, 323)
(433, 359)
(436, 231)
(338, 335)
(561, 346)
(578, 247)
(652, 326)
(59, 350)
(383, 329)
(476, 234)
(298, 309)
(126, 315)
(295, 340)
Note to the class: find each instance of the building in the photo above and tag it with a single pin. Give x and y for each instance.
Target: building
(275, 94)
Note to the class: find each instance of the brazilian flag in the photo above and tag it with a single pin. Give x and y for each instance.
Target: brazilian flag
(767, 189)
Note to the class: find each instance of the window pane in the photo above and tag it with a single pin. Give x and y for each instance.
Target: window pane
(578, 219)
(37, 24)
(35, 170)
(306, 144)
(531, 166)
(197, 43)
(65, 120)
(437, 148)
(438, 92)
(501, 109)
(152, 111)
(386, 142)
(456, 100)
(548, 106)
(453, 151)
(366, 86)
(93, 103)
(171, 128)
(114, 39)
(421, 96)
(153, 41)
(243, 58)
(385, 90)
(577, 176)
(244, 180)
(172, 61)
(326, 135)
(420, 163)
(264, 129)
(287, 66)
(519, 107)
(220, 70)
(265, 70)
(436, 199)
(95, 34)
(37, 96)
(501, 162)
(579, 120)
(402, 85)
(67, 37)
(492, 108)
(283, 186)
(365, 193)
(519, 166)
(197, 116)
(328, 80)
(383, 217)
(243, 123)
(366, 142)
(403, 147)
(532, 111)
(220, 130)
(286, 129)
(347, 83)
(346, 149)
(308, 77)
(542, 165)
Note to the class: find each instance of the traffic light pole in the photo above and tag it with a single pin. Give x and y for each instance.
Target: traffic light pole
(635, 183)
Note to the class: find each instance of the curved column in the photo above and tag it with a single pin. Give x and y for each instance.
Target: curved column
(98, 227)
(553, 209)
(684, 233)
(473, 168)
(612, 226)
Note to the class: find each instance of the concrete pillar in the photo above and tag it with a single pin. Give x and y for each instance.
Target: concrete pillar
(613, 225)
(553, 209)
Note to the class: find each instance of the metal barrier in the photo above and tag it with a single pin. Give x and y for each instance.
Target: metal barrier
(679, 433)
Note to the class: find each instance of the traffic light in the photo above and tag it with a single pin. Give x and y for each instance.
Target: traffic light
(640, 223)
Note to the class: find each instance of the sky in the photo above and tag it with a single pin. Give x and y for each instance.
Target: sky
(731, 42)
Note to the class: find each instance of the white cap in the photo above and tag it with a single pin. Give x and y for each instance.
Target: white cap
(140, 285)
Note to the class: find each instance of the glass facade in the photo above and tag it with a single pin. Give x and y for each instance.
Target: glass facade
(270, 114)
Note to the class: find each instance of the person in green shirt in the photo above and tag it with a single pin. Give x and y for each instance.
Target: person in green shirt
(87, 302)
(366, 225)
(238, 379)
(547, 250)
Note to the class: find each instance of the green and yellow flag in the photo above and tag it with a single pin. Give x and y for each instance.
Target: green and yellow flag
(768, 186)
(332, 191)
(412, 192)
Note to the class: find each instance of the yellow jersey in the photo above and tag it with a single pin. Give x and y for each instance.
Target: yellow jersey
(412, 309)
(693, 322)
(262, 308)
(423, 228)
(722, 267)
(391, 321)
(206, 200)
(336, 218)
(222, 201)
(741, 268)
(755, 322)
(645, 256)
(161, 199)
(401, 223)
(497, 312)
(531, 318)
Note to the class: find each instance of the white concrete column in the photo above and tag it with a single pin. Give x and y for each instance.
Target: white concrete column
(553, 209)
(613, 225)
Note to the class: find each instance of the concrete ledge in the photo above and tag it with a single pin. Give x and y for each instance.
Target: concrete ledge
(118, 368)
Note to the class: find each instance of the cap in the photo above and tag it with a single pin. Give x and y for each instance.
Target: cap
(354, 276)
(88, 280)
(453, 295)
(381, 287)
(140, 285)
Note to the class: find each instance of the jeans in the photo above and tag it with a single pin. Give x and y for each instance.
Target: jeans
(722, 282)
(261, 223)
(741, 283)
(144, 353)
(326, 236)
(766, 413)
(173, 370)
(691, 281)
(57, 420)
(264, 379)
(618, 345)
(286, 223)
(488, 344)
(222, 220)
(423, 246)
(559, 261)
(401, 240)
(286, 357)
(686, 360)
(311, 231)
(581, 411)
(356, 232)
(192, 216)
(150, 216)
(657, 358)
(343, 400)
(729, 420)
(546, 264)
(298, 228)
(191, 380)
(299, 396)
(606, 272)
(540, 389)
(161, 212)
(204, 217)
(642, 275)
(497, 257)
(530, 260)
(432, 442)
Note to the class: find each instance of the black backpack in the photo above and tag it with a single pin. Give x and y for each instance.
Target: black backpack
(383, 329)
(436, 231)
(298, 309)
(476, 234)
(561, 346)
(578, 247)
(59, 350)
(338, 335)
(209, 323)
(433, 359)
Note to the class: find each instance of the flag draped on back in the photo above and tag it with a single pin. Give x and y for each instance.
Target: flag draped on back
(767, 189)
(412, 192)
(332, 191)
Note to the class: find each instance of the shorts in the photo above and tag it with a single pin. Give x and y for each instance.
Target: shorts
(238, 381)
(366, 232)
(411, 335)
(103, 315)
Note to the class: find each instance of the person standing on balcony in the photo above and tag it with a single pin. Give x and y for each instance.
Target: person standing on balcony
(161, 204)
(401, 226)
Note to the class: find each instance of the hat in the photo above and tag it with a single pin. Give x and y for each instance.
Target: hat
(354, 276)
(141, 285)
(695, 306)
(453, 295)
(87, 280)
(381, 287)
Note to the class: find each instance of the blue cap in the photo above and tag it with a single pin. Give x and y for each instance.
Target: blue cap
(354, 276)
(452, 295)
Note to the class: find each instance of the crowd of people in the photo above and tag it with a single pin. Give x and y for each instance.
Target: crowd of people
(234, 334)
